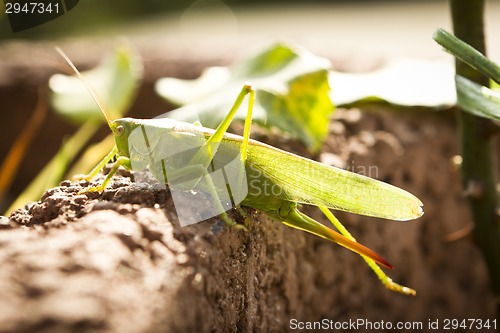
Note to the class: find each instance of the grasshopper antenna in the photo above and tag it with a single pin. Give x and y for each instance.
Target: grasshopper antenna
(94, 95)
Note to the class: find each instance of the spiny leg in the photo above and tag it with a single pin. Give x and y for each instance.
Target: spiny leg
(248, 124)
(247, 89)
(386, 281)
(296, 219)
(244, 145)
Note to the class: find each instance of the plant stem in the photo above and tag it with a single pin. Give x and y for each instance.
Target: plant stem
(53, 172)
(478, 171)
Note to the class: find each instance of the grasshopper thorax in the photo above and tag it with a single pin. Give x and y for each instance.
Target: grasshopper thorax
(140, 133)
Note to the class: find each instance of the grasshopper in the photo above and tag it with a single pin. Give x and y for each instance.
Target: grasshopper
(186, 156)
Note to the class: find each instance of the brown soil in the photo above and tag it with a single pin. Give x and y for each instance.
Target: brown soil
(117, 262)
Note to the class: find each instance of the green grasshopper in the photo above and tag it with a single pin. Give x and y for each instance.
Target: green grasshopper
(265, 178)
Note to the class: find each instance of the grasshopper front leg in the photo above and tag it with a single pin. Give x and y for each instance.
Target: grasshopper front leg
(121, 161)
(98, 167)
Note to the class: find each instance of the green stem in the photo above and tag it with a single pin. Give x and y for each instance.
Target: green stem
(53, 172)
(478, 171)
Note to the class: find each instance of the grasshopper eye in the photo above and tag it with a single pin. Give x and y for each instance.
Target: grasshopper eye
(120, 130)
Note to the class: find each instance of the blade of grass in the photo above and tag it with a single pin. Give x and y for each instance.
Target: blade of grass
(91, 157)
(467, 54)
(52, 173)
(477, 99)
(10, 165)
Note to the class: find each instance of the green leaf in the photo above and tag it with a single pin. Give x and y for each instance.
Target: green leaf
(403, 82)
(291, 93)
(494, 86)
(115, 80)
(304, 109)
(477, 99)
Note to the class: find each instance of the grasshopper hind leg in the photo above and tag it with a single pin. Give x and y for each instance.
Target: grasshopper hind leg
(386, 281)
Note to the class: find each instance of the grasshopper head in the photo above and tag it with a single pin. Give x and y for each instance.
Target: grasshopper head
(121, 130)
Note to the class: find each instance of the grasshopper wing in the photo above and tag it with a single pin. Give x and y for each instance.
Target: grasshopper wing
(310, 182)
